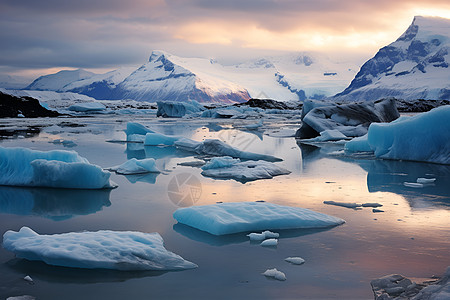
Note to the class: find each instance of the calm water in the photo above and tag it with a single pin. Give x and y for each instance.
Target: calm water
(411, 237)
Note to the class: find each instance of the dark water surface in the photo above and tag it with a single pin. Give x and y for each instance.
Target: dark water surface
(410, 237)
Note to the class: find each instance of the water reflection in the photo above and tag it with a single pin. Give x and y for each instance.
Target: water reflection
(54, 274)
(55, 204)
(237, 238)
(147, 178)
(390, 175)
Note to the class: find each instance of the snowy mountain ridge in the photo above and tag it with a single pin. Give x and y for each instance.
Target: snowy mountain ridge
(168, 77)
(415, 66)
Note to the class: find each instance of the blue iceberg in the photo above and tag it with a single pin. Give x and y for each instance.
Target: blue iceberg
(104, 249)
(228, 218)
(136, 166)
(423, 137)
(56, 169)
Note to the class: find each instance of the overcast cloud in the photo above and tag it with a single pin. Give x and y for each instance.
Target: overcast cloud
(41, 36)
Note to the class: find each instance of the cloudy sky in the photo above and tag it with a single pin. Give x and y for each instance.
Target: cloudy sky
(43, 36)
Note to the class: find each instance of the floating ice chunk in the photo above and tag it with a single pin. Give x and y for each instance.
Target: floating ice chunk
(269, 243)
(227, 218)
(254, 126)
(136, 132)
(262, 236)
(295, 260)
(423, 137)
(155, 139)
(136, 166)
(426, 180)
(281, 133)
(87, 107)
(119, 250)
(168, 109)
(274, 273)
(221, 162)
(65, 143)
(413, 184)
(372, 205)
(376, 210)
(330, 135)
(29, 279)
(358, 144)
(24, 297)
(343, 204)
(229, 168)
(57, 169)
(215, 147)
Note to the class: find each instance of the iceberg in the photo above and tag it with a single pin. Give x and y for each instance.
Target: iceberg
(87, 107)
(136, 132)
(351, 119)
(228, 218)
(262, 236)
(423, 137)
(136, 166)
(215, 147)
(156, 139)
(56, 169)
(230, 168)
(104, 249)
(295, 260)
(169, 109)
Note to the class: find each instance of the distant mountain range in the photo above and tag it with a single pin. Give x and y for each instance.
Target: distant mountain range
(167, 77)
(415, 66)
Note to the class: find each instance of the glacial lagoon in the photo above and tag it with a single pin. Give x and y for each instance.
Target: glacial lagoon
(409, 237)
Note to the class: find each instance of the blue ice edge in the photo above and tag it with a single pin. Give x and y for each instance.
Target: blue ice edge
(228, 218)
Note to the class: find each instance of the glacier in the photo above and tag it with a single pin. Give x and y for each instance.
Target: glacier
(423, 137)
(228, 218)
(104, 249)
(243, 171)
(56, 169)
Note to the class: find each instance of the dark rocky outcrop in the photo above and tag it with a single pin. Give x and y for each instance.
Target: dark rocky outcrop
(267, 104)
(12, 107)
(419, 105)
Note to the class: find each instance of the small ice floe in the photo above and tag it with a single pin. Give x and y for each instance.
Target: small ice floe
(274, 273)
(29, 279)
(24, 297)
(262, 236)
(426, 180)
(65, 143)
(104, 249)
(136, 166)
(343, 204)
(243, 171)
(413, 184)
(295, 260)
(374, 205)
(376, 210)
(227, 218)
(269, 243)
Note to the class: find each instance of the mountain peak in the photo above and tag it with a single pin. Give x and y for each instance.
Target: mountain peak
(157, 54)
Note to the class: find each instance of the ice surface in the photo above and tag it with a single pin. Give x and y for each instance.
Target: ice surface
(262, 236)
(295, 260)
(358, 144)
(215, 147)
(155, 139)
(413, 184)
(87, 107)
(169, 109)
(57, 168)
(230, 168)
(274, 273)
(118, 250)
(136, 166)
(269, 243)
(227, 218)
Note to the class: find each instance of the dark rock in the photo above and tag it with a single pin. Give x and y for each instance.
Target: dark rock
(12, 107)
(266, 104)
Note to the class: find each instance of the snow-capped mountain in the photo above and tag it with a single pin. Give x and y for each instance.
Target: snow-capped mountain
(58, 81)
(13, 82)
(415, 66)
(168, 77)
